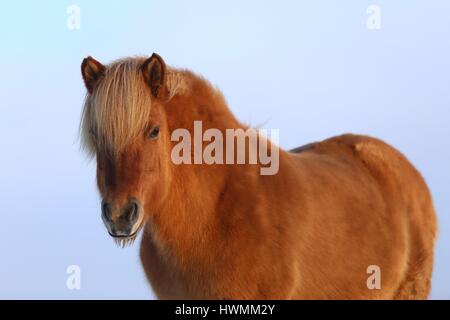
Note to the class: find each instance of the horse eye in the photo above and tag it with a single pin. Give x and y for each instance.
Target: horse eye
(154, 133)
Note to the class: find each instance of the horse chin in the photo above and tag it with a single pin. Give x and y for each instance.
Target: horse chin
(126, 241)
(123, 242)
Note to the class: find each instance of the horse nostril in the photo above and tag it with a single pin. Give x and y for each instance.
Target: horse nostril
(131, 212)
(106, 211)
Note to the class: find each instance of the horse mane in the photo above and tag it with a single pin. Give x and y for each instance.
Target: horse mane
(118, 109)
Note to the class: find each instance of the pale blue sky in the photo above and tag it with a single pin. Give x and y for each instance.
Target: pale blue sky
(311, 69)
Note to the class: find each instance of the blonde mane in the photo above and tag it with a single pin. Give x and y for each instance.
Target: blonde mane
(118, 109)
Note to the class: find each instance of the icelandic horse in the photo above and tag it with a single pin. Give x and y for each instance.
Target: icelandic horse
(335, 208)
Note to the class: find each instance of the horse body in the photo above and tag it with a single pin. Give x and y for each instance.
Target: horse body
(311, 231)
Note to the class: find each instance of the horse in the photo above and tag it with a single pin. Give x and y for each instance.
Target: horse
(335, 210)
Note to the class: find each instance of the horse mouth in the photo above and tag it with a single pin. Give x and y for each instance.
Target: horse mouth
(124, 241)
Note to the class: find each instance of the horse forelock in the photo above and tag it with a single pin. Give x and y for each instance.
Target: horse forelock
(119, 108)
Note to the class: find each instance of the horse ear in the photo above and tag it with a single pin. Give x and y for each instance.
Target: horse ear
(91, 70)
(154, 71)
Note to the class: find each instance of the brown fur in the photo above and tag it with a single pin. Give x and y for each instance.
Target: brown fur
(226, 232)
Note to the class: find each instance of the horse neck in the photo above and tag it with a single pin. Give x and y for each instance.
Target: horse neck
(187, 217)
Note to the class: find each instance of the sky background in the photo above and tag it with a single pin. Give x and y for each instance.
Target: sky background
(309, 68)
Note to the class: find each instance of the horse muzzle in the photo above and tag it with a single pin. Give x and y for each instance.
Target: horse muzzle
(122, 222)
